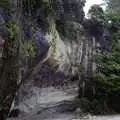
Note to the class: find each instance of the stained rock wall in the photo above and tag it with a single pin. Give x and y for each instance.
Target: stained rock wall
(64, 50)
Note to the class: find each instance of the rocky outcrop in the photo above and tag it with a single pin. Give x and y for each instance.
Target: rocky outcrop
(64, 48)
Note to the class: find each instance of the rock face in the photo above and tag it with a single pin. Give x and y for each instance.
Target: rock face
(64, 52)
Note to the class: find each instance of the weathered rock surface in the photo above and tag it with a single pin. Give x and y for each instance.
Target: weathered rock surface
(63, 51)
(54, 104)
(48, 103)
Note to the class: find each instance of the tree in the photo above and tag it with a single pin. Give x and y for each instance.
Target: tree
(108, 67)
(96, 13)
(113, 6)
(107, 77)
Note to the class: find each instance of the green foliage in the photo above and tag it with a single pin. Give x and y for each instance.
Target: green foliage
(12, 30)
(29, 52)
(92, 106)
(69, 29)
(113, 6)
(5, 4)
(108, 78)
(29, 48)
(96, 14)
(33, 6)
(40, 10)
(114, 28)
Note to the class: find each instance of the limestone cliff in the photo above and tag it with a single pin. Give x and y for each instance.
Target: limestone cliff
(65, 48)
